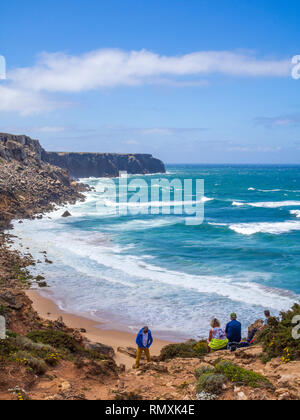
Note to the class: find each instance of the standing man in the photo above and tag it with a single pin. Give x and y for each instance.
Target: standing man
(144, 341)
(234, 330)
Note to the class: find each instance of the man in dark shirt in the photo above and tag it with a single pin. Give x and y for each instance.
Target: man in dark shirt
(234, 330)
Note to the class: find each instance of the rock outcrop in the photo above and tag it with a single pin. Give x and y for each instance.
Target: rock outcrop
(28, 185)
(84, 165)
(19, 148)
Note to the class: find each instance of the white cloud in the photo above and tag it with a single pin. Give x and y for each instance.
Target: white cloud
(249, 149)
(49, 129)
(109, 68)
(281, 121)
(25, 101)
(27, 89)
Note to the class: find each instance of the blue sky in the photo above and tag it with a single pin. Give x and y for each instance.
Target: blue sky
(197, 81)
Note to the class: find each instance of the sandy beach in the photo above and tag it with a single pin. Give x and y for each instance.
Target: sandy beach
(47, 309)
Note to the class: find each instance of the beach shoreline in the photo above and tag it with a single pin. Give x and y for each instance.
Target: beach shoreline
(49, 310)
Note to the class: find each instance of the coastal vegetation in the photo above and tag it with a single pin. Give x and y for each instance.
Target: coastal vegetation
(277, 337)
(191, 348)
(212, 380)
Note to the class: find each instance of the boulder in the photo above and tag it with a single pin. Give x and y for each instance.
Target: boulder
(99, 348)
(130, 351)
(66, 214)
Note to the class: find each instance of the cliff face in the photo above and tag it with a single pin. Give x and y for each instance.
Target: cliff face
(19, 148)
(83, 165)
(28, 185)
(79, 165)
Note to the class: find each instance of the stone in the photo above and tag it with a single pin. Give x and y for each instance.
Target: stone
(99, 348)
(42, 284)
(64, 386)
(154, 367)
(59, 324)
(241, 396)
(284, 397)
(130, 351)
(2, 328)
(66, 214)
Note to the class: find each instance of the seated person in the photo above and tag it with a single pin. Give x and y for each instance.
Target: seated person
(217, 338)
(234, 330)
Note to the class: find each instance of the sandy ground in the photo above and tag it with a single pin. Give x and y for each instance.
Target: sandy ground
(47, 309)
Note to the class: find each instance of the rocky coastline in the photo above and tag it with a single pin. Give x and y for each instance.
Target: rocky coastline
(46, 359)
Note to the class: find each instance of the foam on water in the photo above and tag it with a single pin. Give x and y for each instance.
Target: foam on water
(270, 205)
(272, 228)
(295, 213)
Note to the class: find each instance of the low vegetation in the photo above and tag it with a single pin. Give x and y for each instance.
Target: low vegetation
(240, 375)
(40, 350)
(35, 357)
(203, 370)
(66, 344)
(277, 338)
(189, 349)
(211, 383)
(211, 379)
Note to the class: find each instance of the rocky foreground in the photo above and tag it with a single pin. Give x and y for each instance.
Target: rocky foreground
(42, 359)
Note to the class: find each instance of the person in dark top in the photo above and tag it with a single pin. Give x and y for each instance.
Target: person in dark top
(268, 316)
(234, 329)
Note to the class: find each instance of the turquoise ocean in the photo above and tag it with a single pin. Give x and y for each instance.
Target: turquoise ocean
(131, 270)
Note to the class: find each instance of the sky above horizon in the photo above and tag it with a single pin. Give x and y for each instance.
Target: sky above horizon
(198, 81)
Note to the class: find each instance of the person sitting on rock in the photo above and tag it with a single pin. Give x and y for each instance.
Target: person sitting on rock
(234, 330)
(144, 341)
(217, 339)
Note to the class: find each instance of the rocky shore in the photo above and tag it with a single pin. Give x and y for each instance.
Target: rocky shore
(46, 359)
(28, 185)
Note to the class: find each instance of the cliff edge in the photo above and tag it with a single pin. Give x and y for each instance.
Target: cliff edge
(79, 165)
(84, 165)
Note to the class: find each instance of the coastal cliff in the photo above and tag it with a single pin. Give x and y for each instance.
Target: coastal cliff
(28, 185)
(79, 165)
(32, 180)
(84, 165)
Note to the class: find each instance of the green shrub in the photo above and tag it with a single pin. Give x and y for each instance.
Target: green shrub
(11, 334)
(172, 351)
(39, 366)
(200, 348)
(240, 375)
(56, 339)
(202, 370)
(64, 343)
(188, 349)
(7, 347)
(211, 383)
(27, 344)
(276, 338)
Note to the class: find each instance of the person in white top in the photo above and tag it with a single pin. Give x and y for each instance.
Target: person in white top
(144, 341)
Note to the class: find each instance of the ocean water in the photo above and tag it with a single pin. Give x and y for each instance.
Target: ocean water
(131, 270)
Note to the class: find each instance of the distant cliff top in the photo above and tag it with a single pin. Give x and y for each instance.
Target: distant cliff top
(79, 165)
